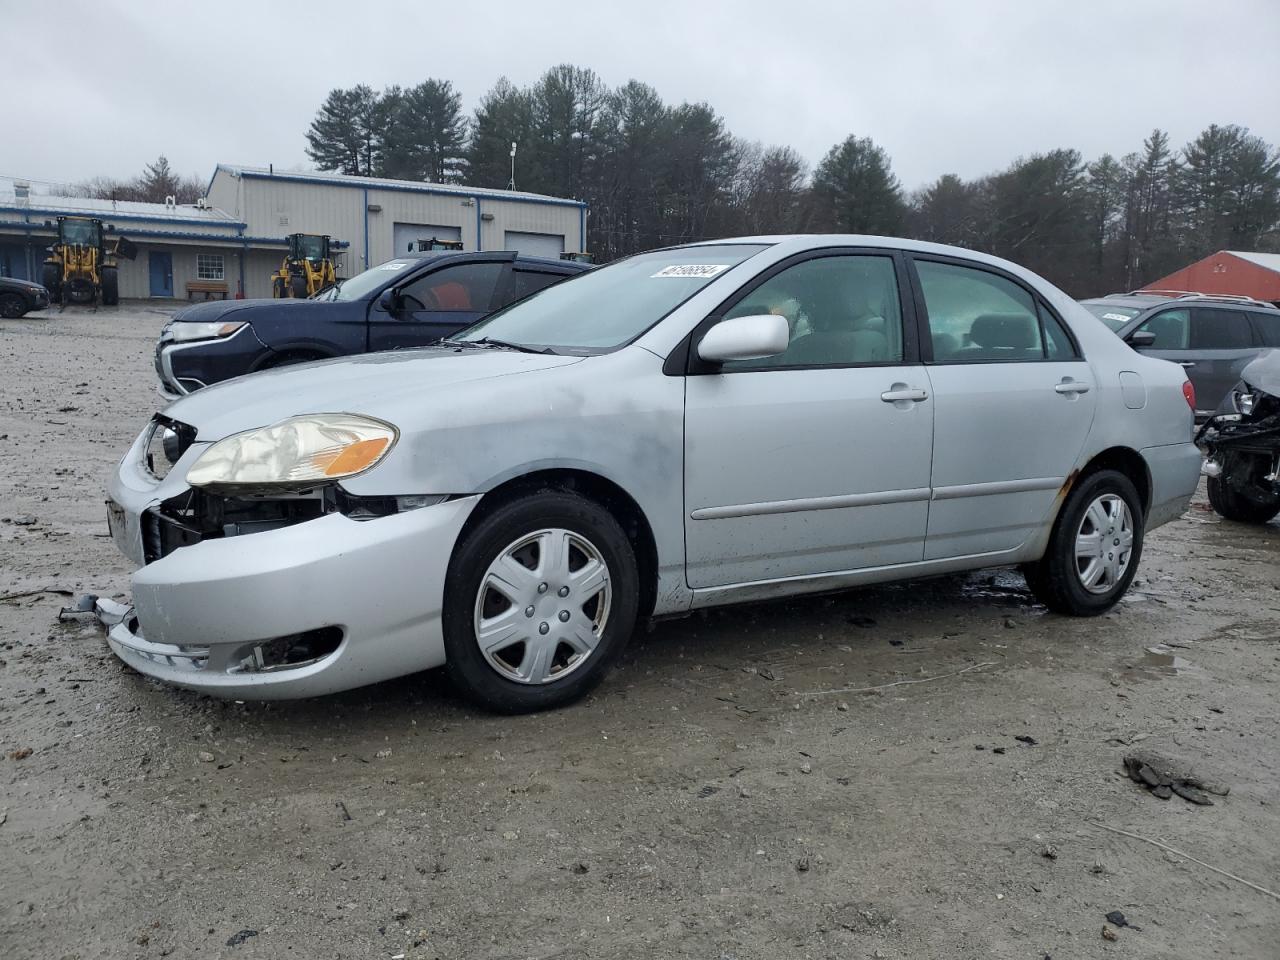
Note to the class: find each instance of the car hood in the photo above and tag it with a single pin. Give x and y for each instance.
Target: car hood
(1263, 372)
(213, 310)
(391, 386)
(11, 283)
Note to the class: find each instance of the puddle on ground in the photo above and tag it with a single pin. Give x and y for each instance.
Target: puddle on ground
(1159, 661)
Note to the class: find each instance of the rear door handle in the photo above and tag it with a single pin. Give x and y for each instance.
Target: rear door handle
(1071, 386)
(901, 392)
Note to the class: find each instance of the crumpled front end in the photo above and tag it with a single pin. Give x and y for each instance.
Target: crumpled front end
(275, 596)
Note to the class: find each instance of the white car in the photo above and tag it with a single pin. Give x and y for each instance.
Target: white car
(708, 424)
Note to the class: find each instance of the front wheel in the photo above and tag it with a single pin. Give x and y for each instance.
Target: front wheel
(298, 288)
(12, 306)
(110, 286)
(540, 600)
(1094, 548)
(1233, 504)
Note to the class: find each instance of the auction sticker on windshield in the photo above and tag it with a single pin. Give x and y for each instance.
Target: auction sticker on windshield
(697, 271)
(394, 265)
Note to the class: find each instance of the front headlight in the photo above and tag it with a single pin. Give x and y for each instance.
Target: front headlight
(182, 332)
(1245, 402)
(299, 451)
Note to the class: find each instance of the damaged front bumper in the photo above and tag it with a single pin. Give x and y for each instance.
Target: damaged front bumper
(280, 611)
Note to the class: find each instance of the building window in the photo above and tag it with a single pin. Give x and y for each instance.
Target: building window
(209, 266)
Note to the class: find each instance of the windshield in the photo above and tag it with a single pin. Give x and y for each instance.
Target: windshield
(610, 306)
(1113, 316)
(80, 231)
(311, 247)
(363, 284)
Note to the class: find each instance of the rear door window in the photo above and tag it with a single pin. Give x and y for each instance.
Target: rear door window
(978, 317)
(525, 282)
(1172, 329)
(1268, 327)
(1220, 328)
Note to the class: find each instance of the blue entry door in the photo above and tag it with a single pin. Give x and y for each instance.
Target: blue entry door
(161, 274)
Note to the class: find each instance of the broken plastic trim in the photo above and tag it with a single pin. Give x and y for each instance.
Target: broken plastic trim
(289, 652)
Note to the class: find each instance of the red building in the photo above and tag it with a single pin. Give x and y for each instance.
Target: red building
(1233, 272)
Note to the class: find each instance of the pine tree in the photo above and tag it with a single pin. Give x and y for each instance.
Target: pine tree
(855, 191)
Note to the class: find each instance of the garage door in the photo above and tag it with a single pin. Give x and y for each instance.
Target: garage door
(407, 235)
(535, 244)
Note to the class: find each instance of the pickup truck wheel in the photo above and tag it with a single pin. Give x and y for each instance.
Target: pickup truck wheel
(1231, 504)
(1094, 548)
(12, 306)
(540, 600)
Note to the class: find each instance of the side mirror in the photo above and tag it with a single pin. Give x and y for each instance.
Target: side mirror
(1141, 338)
(389, 301)
(745, 338)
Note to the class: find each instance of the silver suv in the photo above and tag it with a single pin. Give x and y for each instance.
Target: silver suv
(1210, 336)
(708, 424)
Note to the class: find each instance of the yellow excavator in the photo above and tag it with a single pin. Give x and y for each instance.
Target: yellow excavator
(80, 267)
(307, 267)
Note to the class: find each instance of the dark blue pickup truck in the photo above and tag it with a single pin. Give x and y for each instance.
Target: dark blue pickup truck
(410, 301)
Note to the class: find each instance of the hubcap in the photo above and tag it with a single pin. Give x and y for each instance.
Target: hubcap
(542, 606)
(1104, 544)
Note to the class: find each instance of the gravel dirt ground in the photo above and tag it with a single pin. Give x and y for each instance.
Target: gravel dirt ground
(717, 798)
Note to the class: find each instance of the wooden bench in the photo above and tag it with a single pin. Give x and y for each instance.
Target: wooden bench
(208, 287)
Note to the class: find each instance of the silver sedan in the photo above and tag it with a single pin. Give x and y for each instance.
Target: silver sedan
(708, 424)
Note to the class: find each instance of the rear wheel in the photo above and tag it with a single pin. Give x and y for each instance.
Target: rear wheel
(1234, 504)
(298, 286)
(1094, 548)
(540, 600)
(12, 306)
(110, 286)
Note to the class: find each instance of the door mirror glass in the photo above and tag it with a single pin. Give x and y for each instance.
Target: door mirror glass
(1141, 338)
(389, 301)
(745, 338)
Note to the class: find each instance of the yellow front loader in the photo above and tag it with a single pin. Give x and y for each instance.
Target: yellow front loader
(307, 267)
(80, 267)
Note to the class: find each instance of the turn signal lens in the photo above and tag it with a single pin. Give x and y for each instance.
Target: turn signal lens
(1189, 392)
(350, 459)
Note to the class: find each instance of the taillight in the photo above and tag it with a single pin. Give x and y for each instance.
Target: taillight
(1189, 392)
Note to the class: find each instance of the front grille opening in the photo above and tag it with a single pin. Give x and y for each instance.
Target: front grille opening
(288, 652)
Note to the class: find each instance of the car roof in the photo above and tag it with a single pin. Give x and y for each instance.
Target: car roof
(568, 266)
(1146, 301)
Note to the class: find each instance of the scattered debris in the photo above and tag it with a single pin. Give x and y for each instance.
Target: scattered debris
(205, 756)
(1118, 919)
(238, 938)
(1029, 741)
(342, 808)
(842, 707)
(1165, 777)
(20, 754)
(26, 520)
(997, 750)
(898, 683)
(81, 609)
(1185, 856)
(806, 767)
(707, 791)
(35, 593)
(802, 865)
(382, 754)
(1108, 933)
(580, 868)
(1049, 852)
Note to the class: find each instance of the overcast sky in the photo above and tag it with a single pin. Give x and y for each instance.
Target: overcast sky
(100, 88)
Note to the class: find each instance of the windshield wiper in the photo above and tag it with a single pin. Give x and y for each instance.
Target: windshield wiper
(522, 347)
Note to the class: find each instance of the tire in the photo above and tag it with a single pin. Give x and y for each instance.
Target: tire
(521, 672)
(51, 280)
(289, 358)
(1060, 579)
(110, 286)
(298, 287)
(1233, 504)
(12, 306)
(278, 289)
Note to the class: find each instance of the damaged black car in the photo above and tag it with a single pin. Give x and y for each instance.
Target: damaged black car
(1242, 445)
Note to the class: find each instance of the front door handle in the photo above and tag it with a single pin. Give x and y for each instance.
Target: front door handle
(1070, 386)
(900, 392)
